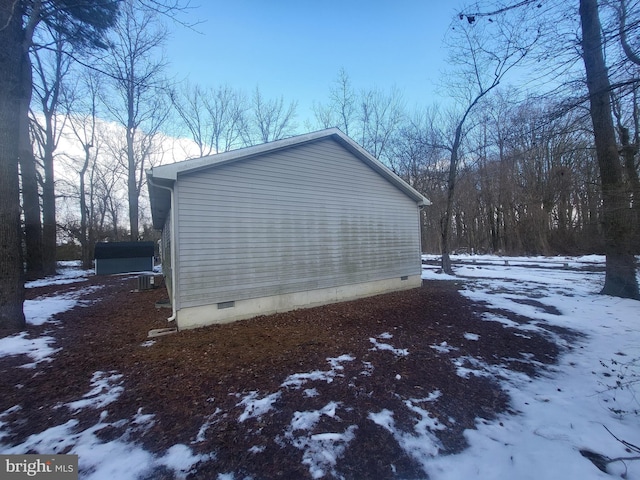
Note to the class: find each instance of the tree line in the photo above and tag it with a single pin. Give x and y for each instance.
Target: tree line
(507, 171)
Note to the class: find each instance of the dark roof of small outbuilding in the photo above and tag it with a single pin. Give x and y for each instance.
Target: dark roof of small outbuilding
(106, 250)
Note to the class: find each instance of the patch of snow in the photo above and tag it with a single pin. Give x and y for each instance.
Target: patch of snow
(39, 348)
(421, 444)
(336, 363)
(430, 272)
(210, 421)
(297, 380)
(255, 406)
(100, 460)
(443, 347)
(471, 336)
(307, 420)
(68, 272)
(9, 411)
(321, 451)
(467, 365)
(399, 352)
(426, 423)
(257, 449)
(310, 392)
(107, 387)
(432, 397)
(41, 310)
(145, 420)
(368, 369)
(180, 459)
(230, 476)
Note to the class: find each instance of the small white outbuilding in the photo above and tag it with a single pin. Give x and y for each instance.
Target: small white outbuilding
(305, 221)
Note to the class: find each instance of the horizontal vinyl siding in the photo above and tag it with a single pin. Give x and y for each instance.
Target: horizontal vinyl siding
(308, 217)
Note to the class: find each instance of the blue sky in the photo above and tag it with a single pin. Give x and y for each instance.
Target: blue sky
(296, 48)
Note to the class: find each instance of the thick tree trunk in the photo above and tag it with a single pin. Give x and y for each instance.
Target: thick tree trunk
(11, 270)
(620, 279)
(629, 152)
(29, 175)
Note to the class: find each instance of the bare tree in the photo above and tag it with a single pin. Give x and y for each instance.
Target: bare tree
(51, 62)
(107, 178)
(627, 25)
(11, 275)
(138, 84)
(28, 170)
(620, 278)
(483, 56)
(84, 22)
(379, 118)
(495, 170)
(83, 99)
(269, 120)
(625, 103)
(214, 118)
(534, 175)
(340, 111)
(371, 117)
(106, 198)
(29, 177)
(415, 159)
(525, 182)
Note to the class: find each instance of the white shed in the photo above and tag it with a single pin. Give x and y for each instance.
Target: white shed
(305, 221)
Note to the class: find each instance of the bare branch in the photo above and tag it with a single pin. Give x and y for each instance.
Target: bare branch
(631, 55)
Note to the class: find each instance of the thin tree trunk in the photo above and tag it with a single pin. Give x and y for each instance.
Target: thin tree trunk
(49, 237)
(84, 240)
(133, 198)
(445, 226)
(132, 192)
(620, 277)
(11, 270)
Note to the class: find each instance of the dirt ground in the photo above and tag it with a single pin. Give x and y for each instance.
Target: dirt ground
(195, 378)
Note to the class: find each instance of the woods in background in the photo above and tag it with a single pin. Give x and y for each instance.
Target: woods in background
(508, 169)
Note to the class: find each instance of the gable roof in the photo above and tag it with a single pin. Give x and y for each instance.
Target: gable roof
(161, 178)
(104, 250)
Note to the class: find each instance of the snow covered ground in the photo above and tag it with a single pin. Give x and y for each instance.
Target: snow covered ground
(575, 406)
(571, 409)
